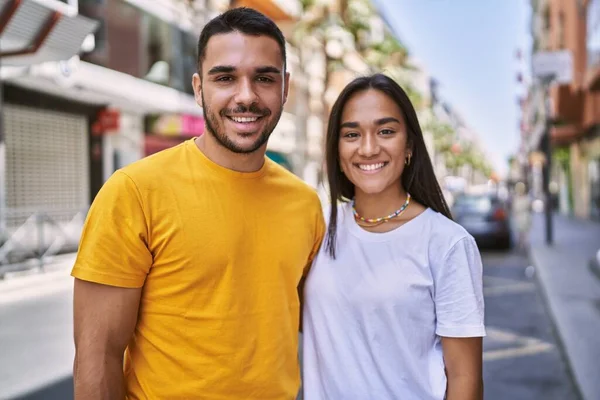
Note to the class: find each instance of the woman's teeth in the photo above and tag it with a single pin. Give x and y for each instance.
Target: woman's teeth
(371, 167)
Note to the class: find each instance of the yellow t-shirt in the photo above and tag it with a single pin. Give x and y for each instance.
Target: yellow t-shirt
(220, 255)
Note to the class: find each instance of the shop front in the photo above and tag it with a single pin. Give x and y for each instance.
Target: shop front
(163, 131)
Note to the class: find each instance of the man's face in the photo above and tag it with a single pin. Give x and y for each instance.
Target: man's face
(242, 90)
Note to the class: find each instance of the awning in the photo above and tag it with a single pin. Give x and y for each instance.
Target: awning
(93, 84)
(32, 32)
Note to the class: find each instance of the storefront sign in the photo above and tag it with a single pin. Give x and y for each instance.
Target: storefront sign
(107, 120)
(175, 125)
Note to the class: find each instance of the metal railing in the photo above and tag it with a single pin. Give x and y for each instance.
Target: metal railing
(29, 239)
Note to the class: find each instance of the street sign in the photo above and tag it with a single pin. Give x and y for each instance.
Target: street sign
(555, 66)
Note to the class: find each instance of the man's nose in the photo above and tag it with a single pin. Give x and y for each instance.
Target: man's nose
(368, 146)
(246, 93)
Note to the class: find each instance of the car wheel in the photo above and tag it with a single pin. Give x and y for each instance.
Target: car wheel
(505, 243)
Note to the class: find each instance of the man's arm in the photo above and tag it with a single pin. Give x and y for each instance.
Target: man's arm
(463, 359)
(104, 318)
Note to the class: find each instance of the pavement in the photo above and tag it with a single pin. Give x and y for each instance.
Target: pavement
(571, 289)
(36, 330)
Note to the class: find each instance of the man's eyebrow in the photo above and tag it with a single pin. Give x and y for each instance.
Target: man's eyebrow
(221, 69)
(267, 69)
(386, 120)
(349, 125)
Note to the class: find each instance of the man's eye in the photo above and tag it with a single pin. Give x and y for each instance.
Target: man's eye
(224, 79)
(264, 79)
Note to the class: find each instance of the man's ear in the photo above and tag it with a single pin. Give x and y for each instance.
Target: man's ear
(197, 85)
(286, 86)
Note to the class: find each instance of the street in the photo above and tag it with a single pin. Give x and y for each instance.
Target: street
(522, 360)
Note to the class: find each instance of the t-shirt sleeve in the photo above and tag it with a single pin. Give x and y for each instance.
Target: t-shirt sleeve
(319, 234)
(458, 295)
(113, 249)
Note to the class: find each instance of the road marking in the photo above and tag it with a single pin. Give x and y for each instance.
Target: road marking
(522, 345)
(513, 352)
(496, 280)
(520, 287)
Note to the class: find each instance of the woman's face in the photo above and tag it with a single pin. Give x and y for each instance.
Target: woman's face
(373, 142)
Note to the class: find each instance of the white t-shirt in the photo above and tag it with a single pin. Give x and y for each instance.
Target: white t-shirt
(374, 316)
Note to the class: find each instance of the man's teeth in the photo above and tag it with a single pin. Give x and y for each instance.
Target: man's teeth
(244, 119)
(370, 167)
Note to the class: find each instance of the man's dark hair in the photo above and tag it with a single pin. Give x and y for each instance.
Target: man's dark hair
(244, 20)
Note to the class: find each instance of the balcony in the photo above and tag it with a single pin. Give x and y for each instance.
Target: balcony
(568, 104)
(278, 10)
(593, 78)
(565, 134)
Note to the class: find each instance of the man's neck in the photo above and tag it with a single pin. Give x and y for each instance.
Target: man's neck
(226, 158)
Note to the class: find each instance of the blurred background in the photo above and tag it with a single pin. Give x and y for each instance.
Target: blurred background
(507, 93)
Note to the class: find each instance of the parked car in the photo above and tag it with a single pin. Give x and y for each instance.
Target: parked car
(485, 217)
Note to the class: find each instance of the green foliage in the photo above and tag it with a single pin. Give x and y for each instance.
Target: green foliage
(443, 134)
(306, 4)
(562, 155)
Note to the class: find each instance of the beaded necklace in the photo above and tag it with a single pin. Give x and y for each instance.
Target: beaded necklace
(371, 222)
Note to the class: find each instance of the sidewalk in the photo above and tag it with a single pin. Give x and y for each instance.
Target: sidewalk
(35, 282)
(572, 292)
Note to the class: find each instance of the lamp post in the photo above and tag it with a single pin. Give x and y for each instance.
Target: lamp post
(549, 68)
(547, 170)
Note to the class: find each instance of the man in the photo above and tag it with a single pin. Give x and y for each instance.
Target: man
(190, 259)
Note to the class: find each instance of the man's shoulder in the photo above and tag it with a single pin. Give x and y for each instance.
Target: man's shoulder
(292, 184)
(154, 166)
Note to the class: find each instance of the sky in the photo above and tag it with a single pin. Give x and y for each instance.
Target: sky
(470, 47)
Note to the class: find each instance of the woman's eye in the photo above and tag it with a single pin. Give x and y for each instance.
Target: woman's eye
(386, 132)
(351, 135)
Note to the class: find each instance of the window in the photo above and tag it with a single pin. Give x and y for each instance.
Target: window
(593, 33)
(561, 31)
(138, 43)
(183, 60)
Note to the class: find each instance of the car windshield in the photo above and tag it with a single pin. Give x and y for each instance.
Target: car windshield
(480, 203)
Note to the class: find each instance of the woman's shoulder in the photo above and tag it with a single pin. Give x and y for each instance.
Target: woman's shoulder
(342, 209)
(444, 232)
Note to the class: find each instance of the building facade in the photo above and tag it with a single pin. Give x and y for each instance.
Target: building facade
(573, 26)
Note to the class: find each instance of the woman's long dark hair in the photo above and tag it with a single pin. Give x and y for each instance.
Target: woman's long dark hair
(418, 178)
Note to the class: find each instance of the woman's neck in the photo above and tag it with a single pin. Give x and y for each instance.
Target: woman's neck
(379, 205)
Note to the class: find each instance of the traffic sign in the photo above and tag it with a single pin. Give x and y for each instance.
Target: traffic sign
(555, 66)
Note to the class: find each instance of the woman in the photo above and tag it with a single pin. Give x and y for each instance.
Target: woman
(521, 208)
(394, 303)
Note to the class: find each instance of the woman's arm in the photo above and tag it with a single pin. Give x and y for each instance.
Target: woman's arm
(463, 360)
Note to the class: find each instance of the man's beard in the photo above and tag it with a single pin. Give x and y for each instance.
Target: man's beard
(212, 123)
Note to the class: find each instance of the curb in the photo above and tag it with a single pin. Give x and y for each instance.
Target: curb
(549, 304)
(595, 267)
